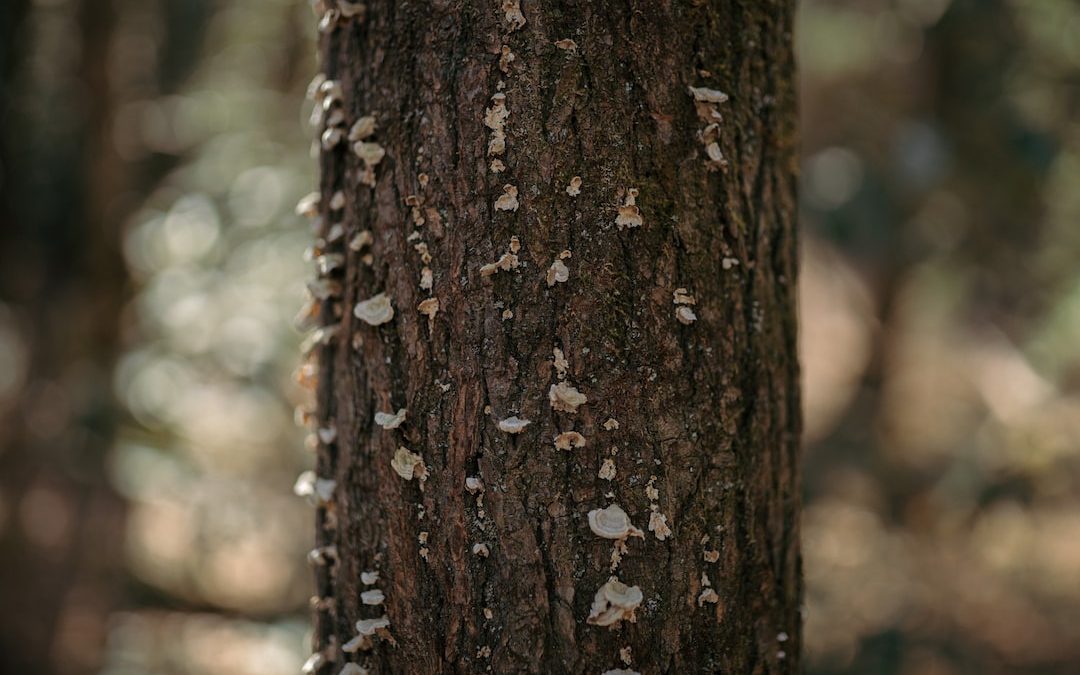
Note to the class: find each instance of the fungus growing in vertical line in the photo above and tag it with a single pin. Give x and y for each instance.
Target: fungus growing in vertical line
(352, 9)
(707, 595)
(337, 201)
(629, 213)
(565, 397)
(561, 364)
(323, 555)
(625, 655)
(369, 578)
(508, 200)
(574, 188)
(710, 555)
(474, 485)
(513, 425)
(426, 279)
(497, 166)
(613, 523)
(680, 296)
(429, 308)
(331, 138)
(315, 662)
(360, 240)
(707, 95)
(375, 311)
(506, 57)
(327, 434)
(728, 263)
(614, 602)
(353, 669)
(481, 550)
(685, 315)
(568, 440)
(390, 420)
(611, 424)
(372, 597)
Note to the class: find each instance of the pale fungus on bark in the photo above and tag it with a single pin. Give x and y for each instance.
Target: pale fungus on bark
(337, 201)
(429, 308)
(613, 523)
(409, 465)
(561, 364)
(353, 669)
(711, 556)
(614, 602)
(607, 470)
(685, 315)
(375, 311)
(506, 57)
(557, 273)
(574, 188)
(626, 655)
(508, 200)
(360, 240)
(369, 578)
(629, 213)
(565, 397)
(369, 627)
(707, 95)
(512, 13)
(707, 595)
(658, 525)
(566, 44)
(362, 128)
(568, 440)
(682, 297)
(323, 555)
(317, 491)
(314, 663)
(611, 424)
(474, 485)
(372, 597)
(390, 420)
(426, 279)
(331, 138)
(309, 205)
(352, 9)
(513, 425)
(481, 550)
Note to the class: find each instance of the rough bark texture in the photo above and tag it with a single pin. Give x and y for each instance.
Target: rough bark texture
(710, 409)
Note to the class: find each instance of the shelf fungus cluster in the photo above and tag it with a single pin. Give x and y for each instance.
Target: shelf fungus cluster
(368, 631)
(613, 523)
(705, 103)
(507, 262)
(614, 602)
(374, 311)
(683, 301)
(409, 465)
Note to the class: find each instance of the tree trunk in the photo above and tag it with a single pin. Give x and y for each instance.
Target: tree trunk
(667, 285)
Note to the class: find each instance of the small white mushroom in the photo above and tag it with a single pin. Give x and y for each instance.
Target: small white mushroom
(481, 550)
(612, 523)
(508, 201)
(331, 138)
(323, 555)
(360, 240)
(574, 188)
(513, 425)
(369, 578)
(557, 273)
(680, 296)
(473, 484)
(313, 664)
(566, 398)
(685, 315)
(391, 420)
(318, 491)
(353, 669)
(372, 597)
(375, 311)
(611, 424)
(568, 440)
(408, 464)
(370, 153)
(613, 602)
(337, 201)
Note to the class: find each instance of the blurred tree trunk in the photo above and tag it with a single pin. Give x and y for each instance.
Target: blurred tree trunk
(707, 410)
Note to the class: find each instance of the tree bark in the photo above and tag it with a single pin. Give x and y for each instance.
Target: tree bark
(707, 410)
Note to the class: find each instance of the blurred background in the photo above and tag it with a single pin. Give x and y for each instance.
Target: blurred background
(151, 152)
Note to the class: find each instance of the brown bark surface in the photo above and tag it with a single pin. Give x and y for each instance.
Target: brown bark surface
(710, 409)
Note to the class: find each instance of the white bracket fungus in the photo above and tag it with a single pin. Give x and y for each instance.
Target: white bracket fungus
(613, 523)
(375, 311)
(658, 525)
(309, 205)
(372, 597)
(513, 425)
(390, 420)
(685, 315)
(369, 578)
(607, 470)
(473, 485)
(708, 595)
(481, 550)
(429, 308)
(614, 602)
(362, 128)
(353, 669)
(565, 397)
